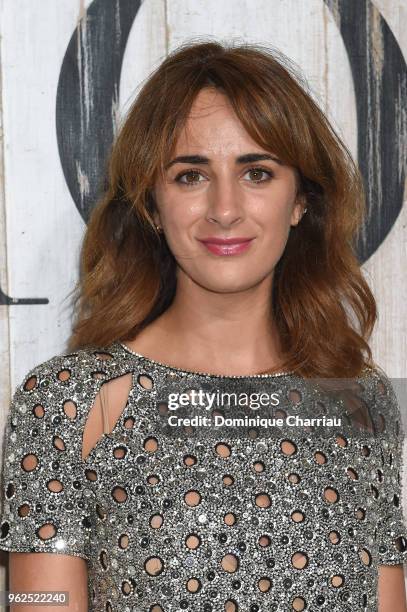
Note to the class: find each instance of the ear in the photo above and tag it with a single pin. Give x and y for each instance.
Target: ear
(156, 217)
(298, 210)
(154, 210)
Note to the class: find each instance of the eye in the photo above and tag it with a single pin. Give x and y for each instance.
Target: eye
(189, 174)
(258, 172)
(192, 175)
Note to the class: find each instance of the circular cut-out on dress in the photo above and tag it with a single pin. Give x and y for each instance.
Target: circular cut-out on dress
(331, 495)
(189, 460)
(365, 556)
(24, 510)
(352, 473)
(162, 408)
(64, 375)
(223, 450)
(264, 541)
(91, 475)
(55, 486)
(263, 500)
(298, 604)
(30, 383)
(192, 498)
(337, 580)
(294, 396)
(46, 531)
(192, 541)
(258, 466)
(253, 433)
(150, 444)
(229, 518)
(228, 480)
(70, 409)
(29, 462)
(299, 560)
(193, 585)
(103, 356)
(127, 587)
(264, 584)
(334, 537)
(230, 563)
(145, 381)
(231, 606)
(123, 541)
(119, 494)
(119, 452)
(341, 441)
(156, 521)
(58, 443)
(288, 447)
(129, 422)
(38, 411)
(297, 516)
(294, 478)
(154, 566)
(103, 559)
(320, 458)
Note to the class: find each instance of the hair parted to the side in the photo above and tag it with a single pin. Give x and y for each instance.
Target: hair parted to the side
(322, 305)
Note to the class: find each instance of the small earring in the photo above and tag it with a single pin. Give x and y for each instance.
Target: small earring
(304, 211)
(159, 228)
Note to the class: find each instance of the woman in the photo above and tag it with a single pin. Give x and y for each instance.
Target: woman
(220, 260)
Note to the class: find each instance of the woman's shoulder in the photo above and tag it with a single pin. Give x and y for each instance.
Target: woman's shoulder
(42, 465)
(387, 408)
(71, 369)
(64, 385)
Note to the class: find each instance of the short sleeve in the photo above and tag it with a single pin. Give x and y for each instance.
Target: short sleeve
(391, 526)
(45, 505)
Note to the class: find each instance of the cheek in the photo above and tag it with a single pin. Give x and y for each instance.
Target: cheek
(180, 219)
(273, 217)
(179, 214)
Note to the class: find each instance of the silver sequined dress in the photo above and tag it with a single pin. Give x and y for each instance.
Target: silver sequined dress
(261, 533)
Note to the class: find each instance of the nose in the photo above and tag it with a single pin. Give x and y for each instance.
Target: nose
(224, 203)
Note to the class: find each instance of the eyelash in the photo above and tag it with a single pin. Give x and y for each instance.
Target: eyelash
(195, 171)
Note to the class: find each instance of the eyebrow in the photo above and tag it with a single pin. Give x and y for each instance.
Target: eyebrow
(242, 159)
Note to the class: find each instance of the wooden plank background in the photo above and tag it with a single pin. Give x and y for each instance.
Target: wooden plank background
(48, 176)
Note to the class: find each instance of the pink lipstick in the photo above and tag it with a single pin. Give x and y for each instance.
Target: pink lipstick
(226, 246)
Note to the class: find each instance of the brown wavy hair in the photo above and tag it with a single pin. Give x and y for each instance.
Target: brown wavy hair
(321, 304)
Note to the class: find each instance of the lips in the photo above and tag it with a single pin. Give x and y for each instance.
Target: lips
(226, 246)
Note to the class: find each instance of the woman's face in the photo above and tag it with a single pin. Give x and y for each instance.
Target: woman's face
(219, 190)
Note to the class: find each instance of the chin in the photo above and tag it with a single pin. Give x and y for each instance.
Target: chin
(226, 285)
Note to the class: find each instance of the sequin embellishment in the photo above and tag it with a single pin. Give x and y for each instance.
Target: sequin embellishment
(166, 524)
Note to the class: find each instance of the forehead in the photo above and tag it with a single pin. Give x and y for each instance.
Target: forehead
(212, 124)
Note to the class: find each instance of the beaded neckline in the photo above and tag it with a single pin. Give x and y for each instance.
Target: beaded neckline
(197, 373)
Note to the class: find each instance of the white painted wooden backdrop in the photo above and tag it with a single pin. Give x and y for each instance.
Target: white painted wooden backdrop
(40, 228)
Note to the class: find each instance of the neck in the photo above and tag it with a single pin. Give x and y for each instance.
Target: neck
(230, 333)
